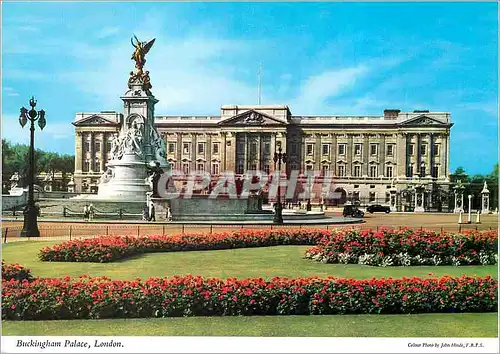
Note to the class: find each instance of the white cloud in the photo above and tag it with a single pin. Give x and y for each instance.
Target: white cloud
(9, 91)
(108, 32)
(317, 90)
(56, 136)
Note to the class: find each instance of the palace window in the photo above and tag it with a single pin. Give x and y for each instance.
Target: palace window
(108, 146)
(388, 171)
(97, 146)
(373, 171)
(355, 195)
(267, 147)
(341, 149)
(309, 167)
(86, 166)
(201, 148)
(171, 148)
(201, 167)
(215, 148)
(185, 168)
(324, 170)
(294, 148)
(326, 149)
(435, 171)
(185, 148)
(215, 168)
(253, 167)
(372, 196)
(390, 150)
(423, 149)
(357, 171)
(341, 169)
(411, 149)
(422, 170)
(241, 169)
(373, 149)
(436, 150)
(253, 148)
(409, 172)
(87, 146)
(241, 146)
(97, 165)
(266, 169)
(310, 149)
(357, 149)
(387, 197)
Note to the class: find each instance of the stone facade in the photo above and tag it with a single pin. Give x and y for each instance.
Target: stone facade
(369, 157)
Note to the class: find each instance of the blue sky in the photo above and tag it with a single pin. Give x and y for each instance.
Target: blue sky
(318, 58)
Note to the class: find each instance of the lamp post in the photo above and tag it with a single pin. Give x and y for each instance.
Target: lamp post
(30, 227)
(279, 157)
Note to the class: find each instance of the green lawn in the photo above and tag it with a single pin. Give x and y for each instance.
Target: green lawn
(267, 262)
(284, 261)
(424, 325)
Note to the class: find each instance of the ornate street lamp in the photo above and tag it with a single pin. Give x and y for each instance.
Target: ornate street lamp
(30, 227)
(280, 158)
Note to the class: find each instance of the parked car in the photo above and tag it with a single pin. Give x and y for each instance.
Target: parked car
(353, 211)
(378, 208)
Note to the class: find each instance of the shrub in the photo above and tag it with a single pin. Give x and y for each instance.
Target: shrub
(93, 298)
(15, 271)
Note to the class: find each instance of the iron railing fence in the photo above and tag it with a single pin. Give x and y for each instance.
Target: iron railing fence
(65, 232)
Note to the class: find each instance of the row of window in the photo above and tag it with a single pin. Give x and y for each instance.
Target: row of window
(97, 146)
(373, 171)
(186, 148)
(358, 149)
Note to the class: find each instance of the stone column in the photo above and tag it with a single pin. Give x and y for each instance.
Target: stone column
(79, 152)
(333, 155)
(103, 152)
(444, 156)
(179, 151)
(419, 156)
(318, 152)
(223, 148)
(92, 153)
(273, 150)
(381, 155)
(349, 151)
(401, 152)
(194, 152)
(430, 148)
(208, 153)
(365, 153)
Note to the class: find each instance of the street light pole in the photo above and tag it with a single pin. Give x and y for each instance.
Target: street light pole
(30, 227)
(279, 157)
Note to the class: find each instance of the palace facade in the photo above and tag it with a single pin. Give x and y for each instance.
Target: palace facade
(371, 158)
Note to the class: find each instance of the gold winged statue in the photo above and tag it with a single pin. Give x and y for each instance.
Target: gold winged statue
(141, 49)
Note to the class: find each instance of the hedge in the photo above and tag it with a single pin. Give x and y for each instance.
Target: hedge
(94, 298)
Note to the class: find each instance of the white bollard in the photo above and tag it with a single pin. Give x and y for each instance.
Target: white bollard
(460, 217)
(478, 217)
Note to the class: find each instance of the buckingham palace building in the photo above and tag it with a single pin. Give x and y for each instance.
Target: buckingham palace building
(385, 159)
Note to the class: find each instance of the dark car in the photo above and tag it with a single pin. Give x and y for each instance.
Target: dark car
(353, 211)
(378, 208)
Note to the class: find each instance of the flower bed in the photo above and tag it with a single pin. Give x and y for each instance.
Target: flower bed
(108, 249)
(15, 271)
(407, 247)
(92, 298)
(379, 248)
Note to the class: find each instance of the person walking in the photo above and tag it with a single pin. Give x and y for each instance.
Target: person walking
(145, 213)
(85, 212)
(91, 212)
(169, 214)
(152, 212)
